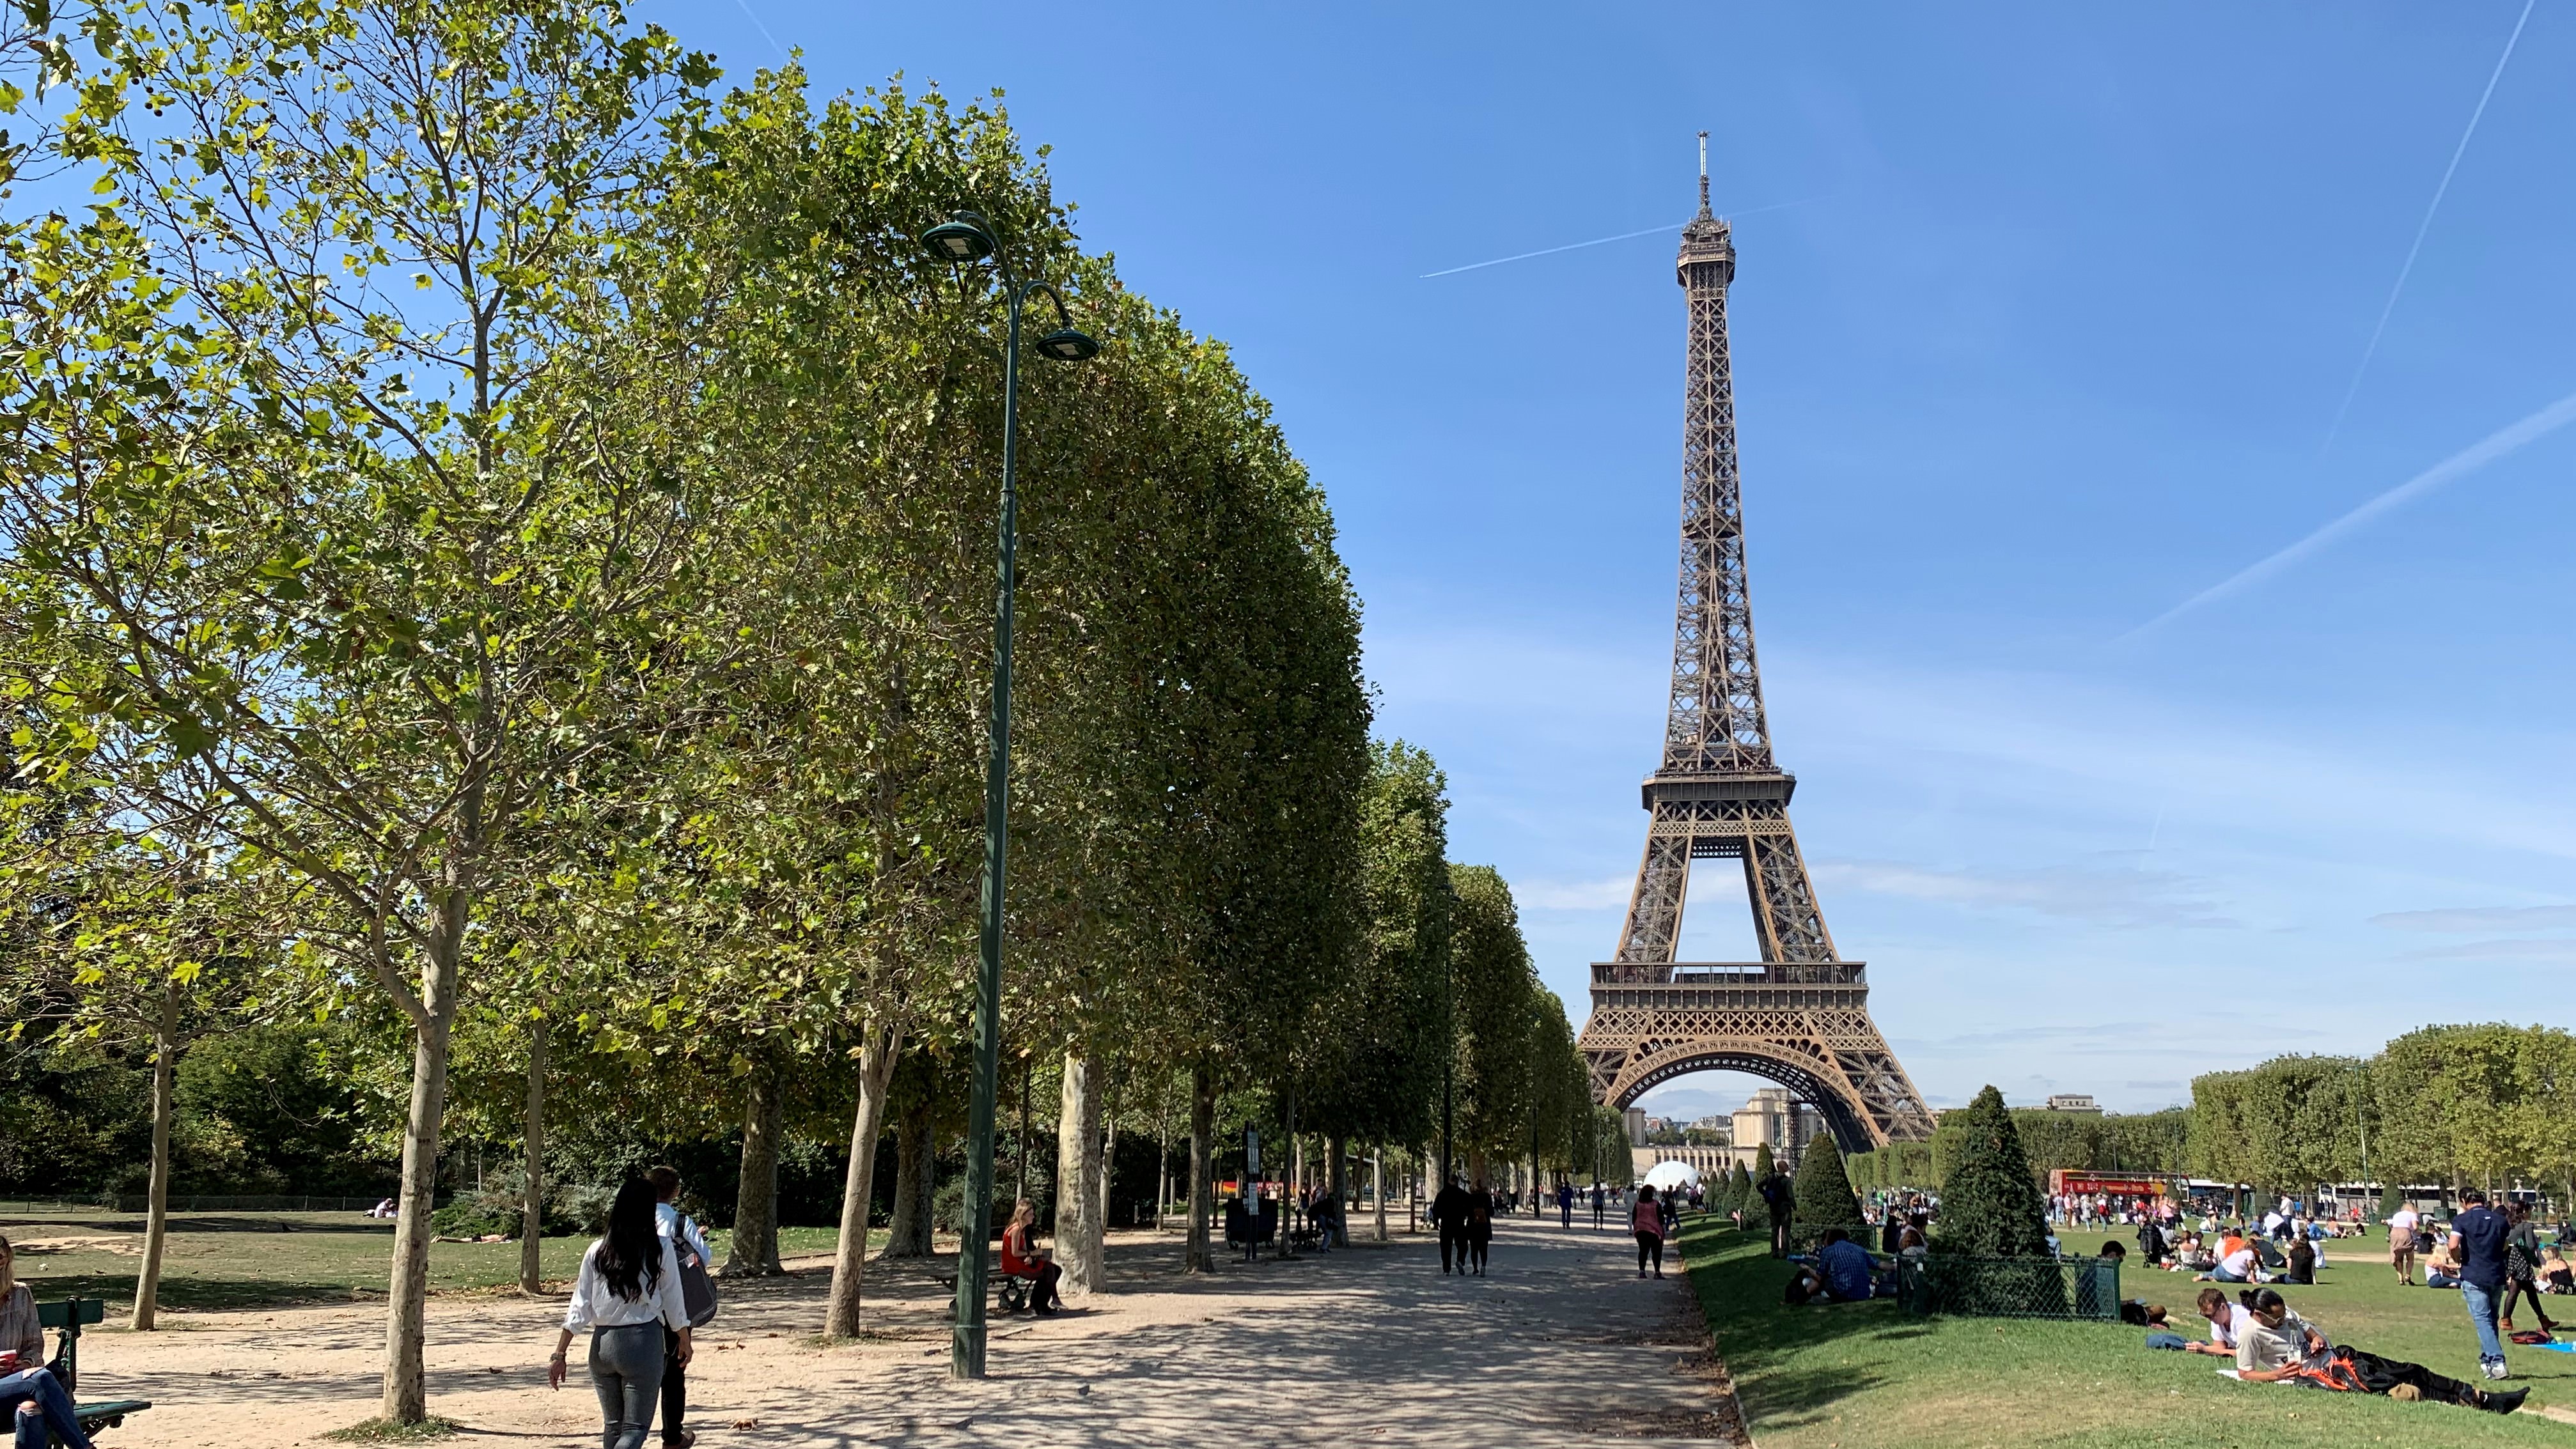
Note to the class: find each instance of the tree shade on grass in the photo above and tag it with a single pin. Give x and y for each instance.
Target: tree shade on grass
(1990, 1203)
(1825, 1198)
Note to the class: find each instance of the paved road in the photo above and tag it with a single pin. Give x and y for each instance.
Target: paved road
(1561, 1344)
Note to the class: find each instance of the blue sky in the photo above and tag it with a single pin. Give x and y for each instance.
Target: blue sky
(2052, 342)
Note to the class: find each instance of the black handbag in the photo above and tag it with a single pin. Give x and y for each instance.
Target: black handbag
(697, 1285)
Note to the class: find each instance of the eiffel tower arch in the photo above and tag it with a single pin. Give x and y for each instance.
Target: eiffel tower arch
(1800, 1015)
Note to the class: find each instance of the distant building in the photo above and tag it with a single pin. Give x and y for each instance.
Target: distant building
(2073, 1102)
(1635, 1118)
(1775, 1119)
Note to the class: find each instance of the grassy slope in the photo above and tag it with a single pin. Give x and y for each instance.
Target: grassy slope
(250, 1260)
(1865, 1375)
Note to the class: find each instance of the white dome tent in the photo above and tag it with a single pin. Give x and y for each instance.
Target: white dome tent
(1667, 1175)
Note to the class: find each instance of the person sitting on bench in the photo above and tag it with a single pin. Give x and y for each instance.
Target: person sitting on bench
(1840, 1273)
(1021, 1259)
(26, 1385)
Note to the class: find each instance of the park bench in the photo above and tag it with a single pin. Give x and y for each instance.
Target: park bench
(68, 1316)
(1247, 1232)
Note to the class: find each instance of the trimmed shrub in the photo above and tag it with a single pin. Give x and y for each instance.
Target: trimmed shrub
(1990, 1203)
(1825, 1198)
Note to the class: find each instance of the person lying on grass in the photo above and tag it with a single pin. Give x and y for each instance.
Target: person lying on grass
(2278, 1344)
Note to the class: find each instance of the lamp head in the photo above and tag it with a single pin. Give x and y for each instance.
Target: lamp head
(961, 238)
(1065, 344)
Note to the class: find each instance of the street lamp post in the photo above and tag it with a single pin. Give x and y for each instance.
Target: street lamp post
(966, 238)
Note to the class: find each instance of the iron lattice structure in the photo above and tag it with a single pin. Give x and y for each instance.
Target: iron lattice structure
(1799, 1016)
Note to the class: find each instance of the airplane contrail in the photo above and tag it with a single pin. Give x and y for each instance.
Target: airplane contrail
(763, 29)
(2509, 439)
(2372, 350)
(1606, 240)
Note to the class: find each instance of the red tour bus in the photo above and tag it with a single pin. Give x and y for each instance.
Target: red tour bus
(2065, 1182)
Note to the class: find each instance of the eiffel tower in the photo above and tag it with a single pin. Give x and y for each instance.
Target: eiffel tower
(1800, 1015)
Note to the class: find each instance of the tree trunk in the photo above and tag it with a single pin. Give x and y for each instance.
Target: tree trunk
(1338, 1175)
(532, 1220)
(1108, 1177)
(908, 1235)
(1196, 1258)
(156, 1230)
(1079, 1239)
(406, 1394)
(754, 1253)
(1377, 1188)
(850, 1255)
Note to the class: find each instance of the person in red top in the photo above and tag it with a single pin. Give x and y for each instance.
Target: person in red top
(1022, 1259)
(1647, 1219)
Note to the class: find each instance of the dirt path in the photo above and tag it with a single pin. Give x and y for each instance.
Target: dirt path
(1369, 1345)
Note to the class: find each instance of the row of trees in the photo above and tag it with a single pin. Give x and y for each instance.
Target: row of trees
(2153, 1142)
(495, 551)
(2445, 1105)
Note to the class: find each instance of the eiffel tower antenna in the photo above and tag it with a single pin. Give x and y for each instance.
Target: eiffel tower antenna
(1800, 1015)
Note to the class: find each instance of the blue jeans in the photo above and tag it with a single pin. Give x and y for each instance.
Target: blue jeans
(626, 1368)
(2482, 1312)
(38, 1390)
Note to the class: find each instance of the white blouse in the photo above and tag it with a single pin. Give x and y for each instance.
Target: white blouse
(595, 1305)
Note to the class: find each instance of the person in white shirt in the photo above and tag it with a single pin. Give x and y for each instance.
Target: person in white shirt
(2226, 1321)
(2401, 1243)
(627, 1294)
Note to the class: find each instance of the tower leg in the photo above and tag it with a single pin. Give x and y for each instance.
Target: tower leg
(1655, 908)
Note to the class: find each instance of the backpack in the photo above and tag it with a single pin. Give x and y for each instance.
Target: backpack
(697, 1285)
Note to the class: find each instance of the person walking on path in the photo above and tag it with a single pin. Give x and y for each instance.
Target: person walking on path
(2477, 1240)
(687, 1242)
(1449, 1212)
(1565, 1205)
(1599, 1200)
(37, 1400)
(1778, 1196)
(2522, 1269)
(1480, 1225)
(2401, 1242)
(628, 1296)
(1647, 1221)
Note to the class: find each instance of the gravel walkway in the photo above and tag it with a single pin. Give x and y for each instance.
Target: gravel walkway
(1371, 1345)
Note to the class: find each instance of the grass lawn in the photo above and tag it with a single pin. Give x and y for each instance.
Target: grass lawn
(256, 1260)
(1865, 1375)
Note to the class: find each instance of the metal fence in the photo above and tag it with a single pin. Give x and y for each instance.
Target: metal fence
(2077, 1288)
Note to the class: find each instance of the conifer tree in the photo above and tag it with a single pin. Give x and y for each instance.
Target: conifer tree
(1739, 1191)
(1990, 1203)
(1763, 1164)
(1825, 1198)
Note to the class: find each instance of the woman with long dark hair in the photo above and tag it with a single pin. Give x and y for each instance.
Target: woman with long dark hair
(629, 1290)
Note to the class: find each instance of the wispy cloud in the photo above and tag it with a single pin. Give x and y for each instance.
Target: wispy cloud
(2500, 443)
(2480, 918)
(1581, 895)
(2521, 950)
(2114, 897)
